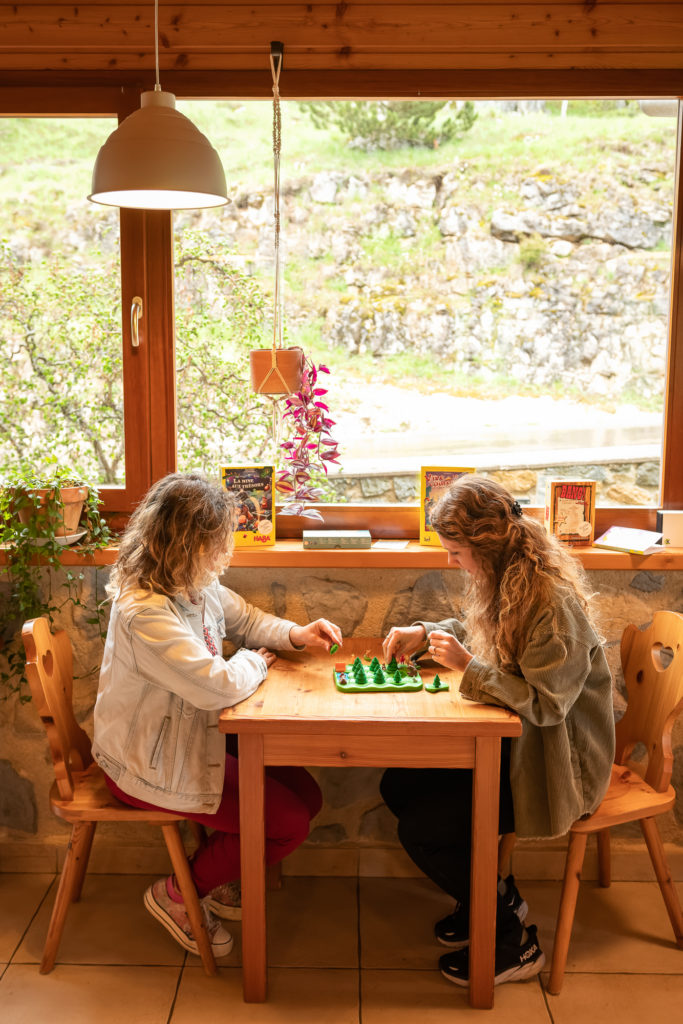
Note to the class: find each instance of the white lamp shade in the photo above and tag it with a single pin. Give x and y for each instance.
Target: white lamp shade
(158, 160)
(659, 108)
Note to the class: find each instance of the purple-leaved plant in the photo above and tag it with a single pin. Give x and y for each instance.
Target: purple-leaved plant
(310, 448)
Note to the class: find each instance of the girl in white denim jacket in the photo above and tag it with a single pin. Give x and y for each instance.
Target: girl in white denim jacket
(538, 653)
(164, 682)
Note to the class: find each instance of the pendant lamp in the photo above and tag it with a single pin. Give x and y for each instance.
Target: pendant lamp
(157, 159)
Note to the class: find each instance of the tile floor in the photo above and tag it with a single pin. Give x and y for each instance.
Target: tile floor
(341, 951)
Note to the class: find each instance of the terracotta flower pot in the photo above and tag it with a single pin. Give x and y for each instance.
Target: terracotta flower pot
(72, 500)
(276, 371)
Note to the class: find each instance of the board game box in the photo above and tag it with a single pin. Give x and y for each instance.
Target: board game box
(253, 489)
(570, 511)
(434, 482)
(337, 538)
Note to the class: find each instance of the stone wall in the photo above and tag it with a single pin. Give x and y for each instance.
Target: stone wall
(354, 830)
(542, 274)
(633, 481)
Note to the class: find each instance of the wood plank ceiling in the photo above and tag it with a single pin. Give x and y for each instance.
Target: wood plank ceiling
(373, 47)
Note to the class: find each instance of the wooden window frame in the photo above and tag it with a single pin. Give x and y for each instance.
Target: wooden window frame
(146, 247)
(147, 265)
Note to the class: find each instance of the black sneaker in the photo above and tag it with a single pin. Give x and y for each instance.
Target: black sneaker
(513, 963)
(454, 930)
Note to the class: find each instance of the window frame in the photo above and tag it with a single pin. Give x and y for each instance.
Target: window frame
(147, 264)
(146, 247)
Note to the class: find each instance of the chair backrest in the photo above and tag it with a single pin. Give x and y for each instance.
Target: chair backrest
(49, 670)
(652, 661)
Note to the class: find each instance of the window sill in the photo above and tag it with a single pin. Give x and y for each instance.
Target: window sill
(289, 554)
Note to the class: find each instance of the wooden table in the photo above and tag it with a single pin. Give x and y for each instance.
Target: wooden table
(298, 717)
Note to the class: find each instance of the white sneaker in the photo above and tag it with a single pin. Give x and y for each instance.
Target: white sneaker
(226, 901)
(174, 918)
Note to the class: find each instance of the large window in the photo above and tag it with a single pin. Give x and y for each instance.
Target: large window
(61, 392)
(489, 287)
(497, 298)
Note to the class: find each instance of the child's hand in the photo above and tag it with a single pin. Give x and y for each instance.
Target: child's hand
(403, 641)
(268, 656)
(320, 633)
(448, 651)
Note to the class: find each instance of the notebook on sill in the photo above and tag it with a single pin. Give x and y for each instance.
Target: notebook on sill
(626, 538)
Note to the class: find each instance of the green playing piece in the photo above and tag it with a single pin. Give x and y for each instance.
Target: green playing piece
(374, 665)
(436, 686)
(334, 648)
(393, 665)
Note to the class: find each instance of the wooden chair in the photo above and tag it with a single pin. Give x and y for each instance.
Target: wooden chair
(80, 795)
(506, 844)
(652, 661)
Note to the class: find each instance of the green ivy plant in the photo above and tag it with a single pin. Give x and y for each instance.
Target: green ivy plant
(32, 551)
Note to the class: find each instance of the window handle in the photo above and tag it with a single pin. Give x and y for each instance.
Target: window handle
(135, 314)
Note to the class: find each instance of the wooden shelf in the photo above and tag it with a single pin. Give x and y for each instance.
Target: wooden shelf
(289, 554)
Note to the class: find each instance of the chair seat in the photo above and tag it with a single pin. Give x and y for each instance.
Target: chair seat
(628, 798)
(94, 801)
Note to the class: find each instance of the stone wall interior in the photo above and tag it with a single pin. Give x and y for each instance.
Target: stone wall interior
(354, 831)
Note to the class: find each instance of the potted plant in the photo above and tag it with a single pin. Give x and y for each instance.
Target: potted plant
(41, 510)
(310, 449)
(276, 371)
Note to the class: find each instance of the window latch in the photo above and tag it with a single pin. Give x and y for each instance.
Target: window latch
(135, 314)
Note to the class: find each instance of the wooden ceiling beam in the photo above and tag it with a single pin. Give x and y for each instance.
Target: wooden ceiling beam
(85, 93)
(94, 35)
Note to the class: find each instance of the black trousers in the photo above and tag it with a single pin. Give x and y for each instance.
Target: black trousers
(434, 811)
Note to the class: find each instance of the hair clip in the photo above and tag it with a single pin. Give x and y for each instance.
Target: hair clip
(516, 508)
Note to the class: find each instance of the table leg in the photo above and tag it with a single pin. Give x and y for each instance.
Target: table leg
(485, 786)
(253, 867)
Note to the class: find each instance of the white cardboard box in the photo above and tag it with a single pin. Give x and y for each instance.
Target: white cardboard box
(670, 525)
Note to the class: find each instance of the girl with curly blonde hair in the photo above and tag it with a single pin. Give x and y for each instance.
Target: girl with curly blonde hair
(164, 681)
(529, 643)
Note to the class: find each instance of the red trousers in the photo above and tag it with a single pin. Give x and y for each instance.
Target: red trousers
(292, 798)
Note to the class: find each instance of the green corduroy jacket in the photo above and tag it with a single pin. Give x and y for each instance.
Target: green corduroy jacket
(560, 766)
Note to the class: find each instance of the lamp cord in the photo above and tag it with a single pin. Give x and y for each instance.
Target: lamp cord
(157, 87)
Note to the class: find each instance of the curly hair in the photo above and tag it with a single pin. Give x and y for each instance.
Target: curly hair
(180, 519)
(521, 566)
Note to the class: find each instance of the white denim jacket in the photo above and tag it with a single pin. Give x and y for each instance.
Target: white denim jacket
(161, 691)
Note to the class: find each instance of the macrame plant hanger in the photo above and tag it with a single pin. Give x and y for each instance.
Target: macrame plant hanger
(276, 373)
(276, 56)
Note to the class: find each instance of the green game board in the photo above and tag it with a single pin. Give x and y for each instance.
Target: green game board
(374, 678)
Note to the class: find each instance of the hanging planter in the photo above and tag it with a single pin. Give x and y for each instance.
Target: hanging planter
(276, 371)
